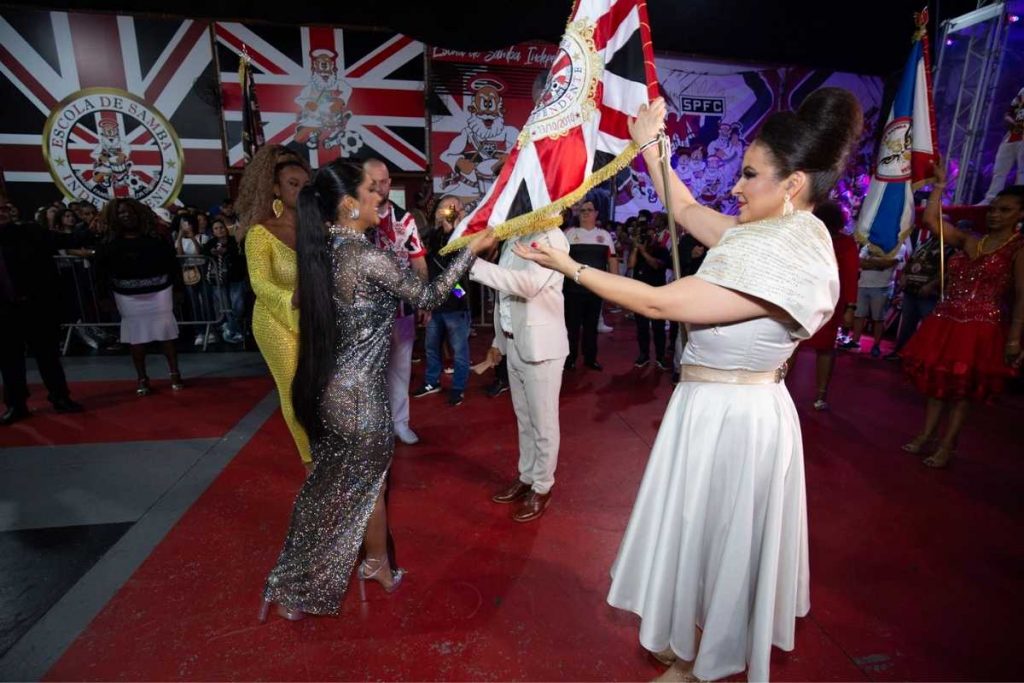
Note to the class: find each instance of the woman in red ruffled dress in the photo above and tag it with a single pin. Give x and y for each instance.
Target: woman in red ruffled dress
(967, 348)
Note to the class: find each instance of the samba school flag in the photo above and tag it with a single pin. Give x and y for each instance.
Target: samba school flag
(577, 135)
(905, 154)
(252, 125)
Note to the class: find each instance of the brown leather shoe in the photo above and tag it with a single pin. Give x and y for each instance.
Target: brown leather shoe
(511, 494)
(532, 507)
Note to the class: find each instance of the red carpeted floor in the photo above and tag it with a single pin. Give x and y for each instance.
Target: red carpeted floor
(206, 408)
(915, 573)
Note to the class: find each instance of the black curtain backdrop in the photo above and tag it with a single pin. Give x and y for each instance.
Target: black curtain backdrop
(869, 37)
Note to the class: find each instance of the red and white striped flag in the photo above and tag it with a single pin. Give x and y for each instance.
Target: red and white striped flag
(577, 135)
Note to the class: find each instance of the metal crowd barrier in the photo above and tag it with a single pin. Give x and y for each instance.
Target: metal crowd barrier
(87, 307)
(89, 310)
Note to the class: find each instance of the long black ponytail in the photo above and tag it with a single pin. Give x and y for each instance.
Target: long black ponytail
(317, 207)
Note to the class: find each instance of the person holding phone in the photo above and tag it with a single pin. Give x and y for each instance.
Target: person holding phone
(452, 319)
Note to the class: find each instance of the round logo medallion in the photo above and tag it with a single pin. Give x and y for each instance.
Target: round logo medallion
(567, 99)
(894, 152)
(106, 143)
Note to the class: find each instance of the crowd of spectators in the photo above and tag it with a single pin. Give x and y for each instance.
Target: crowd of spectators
(212, 296)
(212, 301)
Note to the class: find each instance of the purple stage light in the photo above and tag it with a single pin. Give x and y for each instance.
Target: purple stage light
(1013, 18)
(949, 41)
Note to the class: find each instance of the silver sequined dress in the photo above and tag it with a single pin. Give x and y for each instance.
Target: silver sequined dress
(353, 452)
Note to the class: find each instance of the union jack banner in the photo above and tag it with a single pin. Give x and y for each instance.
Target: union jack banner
(108, 106)
(328, 92)
(577, 135)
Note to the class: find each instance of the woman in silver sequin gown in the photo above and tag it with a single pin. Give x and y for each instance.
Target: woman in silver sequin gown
(348, 294)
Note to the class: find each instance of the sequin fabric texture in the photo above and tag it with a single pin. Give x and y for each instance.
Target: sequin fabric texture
(353, 450)
(275, 324)
(979, 289)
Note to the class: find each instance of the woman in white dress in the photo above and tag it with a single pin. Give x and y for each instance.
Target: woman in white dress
(714, 559)
(141, 269)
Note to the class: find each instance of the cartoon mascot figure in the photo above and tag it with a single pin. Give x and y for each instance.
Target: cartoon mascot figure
(323, 103)
(110, 159)
(477, 154)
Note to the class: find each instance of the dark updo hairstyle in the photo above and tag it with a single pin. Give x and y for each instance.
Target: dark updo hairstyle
(317, 207)
(815, 139)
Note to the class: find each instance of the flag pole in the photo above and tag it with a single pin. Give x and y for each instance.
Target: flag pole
(665, 154)
(942, 254)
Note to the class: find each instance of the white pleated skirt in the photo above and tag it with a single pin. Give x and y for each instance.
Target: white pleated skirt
(147, 317)
(718, 535)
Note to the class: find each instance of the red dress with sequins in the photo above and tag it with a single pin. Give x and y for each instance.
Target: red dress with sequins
(958, 350)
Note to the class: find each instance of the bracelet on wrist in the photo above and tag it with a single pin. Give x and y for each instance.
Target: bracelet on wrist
(576, 275)
(650, 143)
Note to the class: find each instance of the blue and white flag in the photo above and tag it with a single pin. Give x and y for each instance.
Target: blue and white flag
(906, 153)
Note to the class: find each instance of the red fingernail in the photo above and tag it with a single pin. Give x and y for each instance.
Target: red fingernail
(533, 244)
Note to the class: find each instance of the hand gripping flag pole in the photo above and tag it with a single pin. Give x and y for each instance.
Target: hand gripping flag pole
(665, 153)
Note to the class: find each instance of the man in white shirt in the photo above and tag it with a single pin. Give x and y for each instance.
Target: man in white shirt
(1011, 149)
(529, 330)
(873, 291)
(594, 247)
(398, 234)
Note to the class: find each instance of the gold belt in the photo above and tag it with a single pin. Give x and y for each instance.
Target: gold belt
(700, 373)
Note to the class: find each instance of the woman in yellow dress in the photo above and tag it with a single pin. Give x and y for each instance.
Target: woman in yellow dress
(266, 203)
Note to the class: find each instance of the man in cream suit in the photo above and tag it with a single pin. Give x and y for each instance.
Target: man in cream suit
(529, 326)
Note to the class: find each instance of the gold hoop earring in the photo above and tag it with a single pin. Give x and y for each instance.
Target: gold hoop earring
(787, 206)
(277, 206)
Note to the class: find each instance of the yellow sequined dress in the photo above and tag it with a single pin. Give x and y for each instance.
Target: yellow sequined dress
(275, 323)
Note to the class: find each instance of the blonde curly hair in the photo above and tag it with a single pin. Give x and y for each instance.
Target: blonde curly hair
(256, 191)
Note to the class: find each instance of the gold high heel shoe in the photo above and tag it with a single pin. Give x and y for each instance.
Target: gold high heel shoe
(370, 569)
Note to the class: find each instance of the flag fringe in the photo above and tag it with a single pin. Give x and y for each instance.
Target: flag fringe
(541, 219)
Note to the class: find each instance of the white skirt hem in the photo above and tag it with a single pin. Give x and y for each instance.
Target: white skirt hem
(147, 317)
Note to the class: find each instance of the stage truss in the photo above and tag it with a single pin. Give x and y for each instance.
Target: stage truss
(969, 84)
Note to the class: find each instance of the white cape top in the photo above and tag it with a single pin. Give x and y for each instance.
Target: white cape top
(783, 261)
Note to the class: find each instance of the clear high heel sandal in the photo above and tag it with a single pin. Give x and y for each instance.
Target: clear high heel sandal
(282, 611)
(371, 569)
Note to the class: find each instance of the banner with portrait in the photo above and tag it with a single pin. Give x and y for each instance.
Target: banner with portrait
(714, 112)
(477, 104)
(327, 92)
